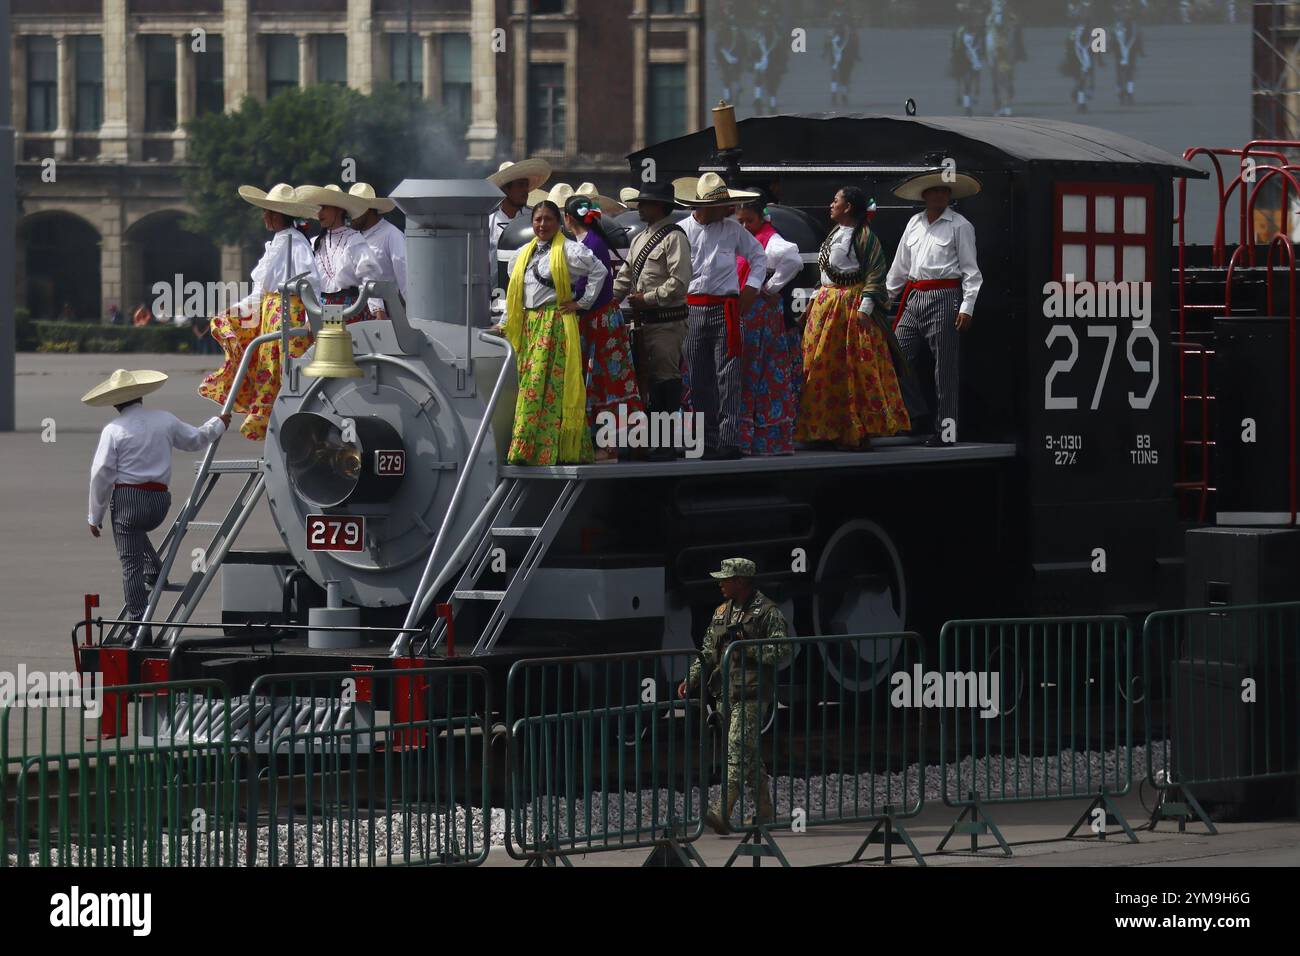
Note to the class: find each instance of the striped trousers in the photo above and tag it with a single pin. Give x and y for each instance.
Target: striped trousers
(714, 376)
(136, 512)
(928, 324)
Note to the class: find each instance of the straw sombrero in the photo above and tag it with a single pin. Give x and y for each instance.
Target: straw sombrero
(123, 386)
(536, 171)
(710, 190)
(960, 184)
(367, 192)
(282, 198)
(627, 195)
(332, 195)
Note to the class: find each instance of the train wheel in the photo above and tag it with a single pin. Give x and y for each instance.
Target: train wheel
(860, 588)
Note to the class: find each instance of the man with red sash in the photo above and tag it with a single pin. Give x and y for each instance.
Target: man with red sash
(934, 281)
(715, 304)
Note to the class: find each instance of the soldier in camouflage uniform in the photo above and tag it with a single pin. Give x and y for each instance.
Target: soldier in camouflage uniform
(747, 614)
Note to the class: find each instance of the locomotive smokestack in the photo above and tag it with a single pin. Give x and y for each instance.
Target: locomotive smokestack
(727, 138)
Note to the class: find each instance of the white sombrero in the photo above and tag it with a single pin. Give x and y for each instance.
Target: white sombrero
(282, 198)
(124, 386)
(960, 184)
(367, 192)
(710, 190)
(627, 195)
(536, 171)
(332, 195)
(561, 193)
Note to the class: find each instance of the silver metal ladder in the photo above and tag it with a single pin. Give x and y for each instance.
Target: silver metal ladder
(214, 552)
(502, 526)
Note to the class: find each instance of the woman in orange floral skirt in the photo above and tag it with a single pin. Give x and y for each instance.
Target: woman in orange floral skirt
(850, 389)
(287, 254)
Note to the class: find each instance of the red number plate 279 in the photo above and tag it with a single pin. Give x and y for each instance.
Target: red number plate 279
(336, 533)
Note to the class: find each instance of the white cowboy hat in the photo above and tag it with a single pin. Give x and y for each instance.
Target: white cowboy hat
(367, 192)
(123, 386)
(332, 195)
(536, 171)
(960, 184)
(627, 195)
(710, 190)
(608, 205)
(561, 193)
(282, 198)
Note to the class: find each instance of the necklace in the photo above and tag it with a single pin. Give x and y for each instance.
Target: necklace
(327, 251)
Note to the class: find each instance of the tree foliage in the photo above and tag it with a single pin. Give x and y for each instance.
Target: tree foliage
(305, 136)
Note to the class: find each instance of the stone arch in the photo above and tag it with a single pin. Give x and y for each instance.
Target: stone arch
(59, 265)
(157, 248)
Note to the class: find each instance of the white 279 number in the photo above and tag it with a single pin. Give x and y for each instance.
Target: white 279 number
(1141, 366)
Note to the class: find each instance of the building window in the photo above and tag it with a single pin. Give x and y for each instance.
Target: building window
(281, 64)
(209, 80)
(667, 106)
(548, 6)
(42, 84)
(159, 84)
(667, 6)
(406, 63)
(456, 74)
(89, 53)
(546, 106)
(1104, 231)
(332, 59)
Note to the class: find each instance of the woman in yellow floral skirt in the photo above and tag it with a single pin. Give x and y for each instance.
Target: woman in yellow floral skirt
(542, 325)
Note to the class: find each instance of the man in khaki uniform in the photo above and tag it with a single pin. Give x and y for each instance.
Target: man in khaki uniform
(747, 614)
(652, 286)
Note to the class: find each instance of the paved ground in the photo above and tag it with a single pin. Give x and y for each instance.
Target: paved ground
(1034, 831)
(47, 557)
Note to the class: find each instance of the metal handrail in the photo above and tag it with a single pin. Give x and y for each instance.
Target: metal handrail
(187, 511)
(424, 592)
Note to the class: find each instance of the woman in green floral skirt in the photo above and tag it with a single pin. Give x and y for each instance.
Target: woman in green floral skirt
(542, 325)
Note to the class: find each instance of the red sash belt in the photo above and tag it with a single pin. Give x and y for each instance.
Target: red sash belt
(921, 285)
(144, 486)
(731, 312)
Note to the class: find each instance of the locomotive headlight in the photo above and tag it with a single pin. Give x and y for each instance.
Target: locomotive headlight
(333, 461)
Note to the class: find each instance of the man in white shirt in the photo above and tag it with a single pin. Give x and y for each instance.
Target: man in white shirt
(131, 469)
(935, 280)
(386, 241)
(516, 181)
(715, 304)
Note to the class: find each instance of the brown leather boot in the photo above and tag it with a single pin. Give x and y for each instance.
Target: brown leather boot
(721, 824)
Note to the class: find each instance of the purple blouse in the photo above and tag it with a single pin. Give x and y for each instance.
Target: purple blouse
(600, 248)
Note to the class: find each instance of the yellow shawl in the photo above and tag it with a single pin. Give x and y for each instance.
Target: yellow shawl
(573, 407)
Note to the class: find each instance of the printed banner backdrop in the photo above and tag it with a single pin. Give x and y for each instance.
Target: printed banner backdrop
(1189, 63)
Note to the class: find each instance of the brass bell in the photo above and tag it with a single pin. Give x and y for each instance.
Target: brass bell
(333, 357)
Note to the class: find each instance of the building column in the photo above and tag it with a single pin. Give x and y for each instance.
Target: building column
(431, 81)
(482, 133)
(235, 53)
(64, 98)
(184, 95)
(18, 90)
(114, 134)
(361, 46)
(306, 62)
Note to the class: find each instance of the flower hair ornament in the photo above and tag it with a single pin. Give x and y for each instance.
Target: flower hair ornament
(587, 213)
(871, 209)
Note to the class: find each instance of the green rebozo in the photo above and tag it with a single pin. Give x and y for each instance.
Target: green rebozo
(759, 620)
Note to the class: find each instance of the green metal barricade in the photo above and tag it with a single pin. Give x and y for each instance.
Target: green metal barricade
(603, 755)
(1222, 704)
(817, 713)
(161, 792)
(369, 767)
(1062, 726)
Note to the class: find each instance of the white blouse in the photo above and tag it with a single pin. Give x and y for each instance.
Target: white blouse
(288, 254)
(344, 259)
(388, 244)
(783, 263)
(843, 258)
(581, 261)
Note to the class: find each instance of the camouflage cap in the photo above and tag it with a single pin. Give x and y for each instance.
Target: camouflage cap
(735, 568)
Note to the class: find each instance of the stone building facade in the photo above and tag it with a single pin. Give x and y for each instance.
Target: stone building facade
(101, 90)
